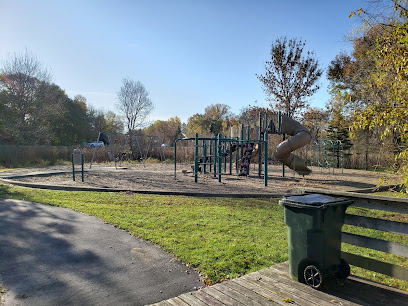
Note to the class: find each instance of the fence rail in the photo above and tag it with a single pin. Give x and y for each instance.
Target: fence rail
(390, 204)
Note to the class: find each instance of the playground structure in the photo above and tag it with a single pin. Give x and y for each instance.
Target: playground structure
(214, 153)
(129, 147)
(218, 155)
(326, 153)
(219, 150)
(300, 137)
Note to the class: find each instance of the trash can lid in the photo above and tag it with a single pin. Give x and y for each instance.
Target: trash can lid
(313, 199)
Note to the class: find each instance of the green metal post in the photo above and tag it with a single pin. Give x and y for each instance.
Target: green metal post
(265, 151)
(283, 166)
(224, 157)
(340, 146)
(210, 158)
(196, 159)
(334, 158)
(311, 153)
(219, 157)
(242, 138)
(248, 137)
(266, 135)
(82, 160)
(230, 157)
(215, 156)
(204, 157)
(265, 159)
(260, 146)
(73, 167)
(236, 157)
(319, 163)
(283, 137)
(230, 152)
(175, 158)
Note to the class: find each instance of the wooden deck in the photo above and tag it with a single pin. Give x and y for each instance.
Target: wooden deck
(272, 286)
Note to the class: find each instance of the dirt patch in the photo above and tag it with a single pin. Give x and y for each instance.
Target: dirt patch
(160, 177)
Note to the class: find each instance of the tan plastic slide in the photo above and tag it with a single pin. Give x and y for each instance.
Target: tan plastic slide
(300, 137)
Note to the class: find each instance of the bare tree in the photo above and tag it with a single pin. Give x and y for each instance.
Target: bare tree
(291, 76)
(27, 64)
(134, 103)
(22, 80)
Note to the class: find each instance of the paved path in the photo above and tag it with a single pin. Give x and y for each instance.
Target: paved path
(55, 256)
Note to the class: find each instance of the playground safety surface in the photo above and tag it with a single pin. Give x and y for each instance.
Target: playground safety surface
(160, 178)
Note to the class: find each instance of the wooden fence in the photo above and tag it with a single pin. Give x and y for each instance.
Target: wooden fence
(389, 204)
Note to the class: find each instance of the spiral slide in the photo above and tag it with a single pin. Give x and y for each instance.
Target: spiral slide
(300, 137)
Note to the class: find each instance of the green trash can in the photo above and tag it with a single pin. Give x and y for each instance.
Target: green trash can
(314, 237)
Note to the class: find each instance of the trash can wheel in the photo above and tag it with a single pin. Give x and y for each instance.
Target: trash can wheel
(344, 269)
(313, 276)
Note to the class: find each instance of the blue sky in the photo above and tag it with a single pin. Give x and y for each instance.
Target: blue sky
(188, 54)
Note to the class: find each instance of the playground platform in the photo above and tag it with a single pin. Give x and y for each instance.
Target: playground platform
(272, 286)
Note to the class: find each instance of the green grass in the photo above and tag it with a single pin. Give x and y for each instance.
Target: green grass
(4, 169)
(221, 238)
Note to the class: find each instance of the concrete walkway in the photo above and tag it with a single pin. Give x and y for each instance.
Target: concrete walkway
(55, 256)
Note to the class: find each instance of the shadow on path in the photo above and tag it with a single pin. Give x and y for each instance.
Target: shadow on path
(55, 256)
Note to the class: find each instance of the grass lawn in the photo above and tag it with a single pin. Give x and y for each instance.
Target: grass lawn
(222, 238)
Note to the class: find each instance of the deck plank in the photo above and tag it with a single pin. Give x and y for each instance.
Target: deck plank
(177, 302)
(291, 291)
(267, 293)
(272, 285)
(191, 299)
(208, 299)
(162, 303)
(219, 295)
(280, 292)
(284, 280)
(236, 294)
(248, 293)
(355, 291)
